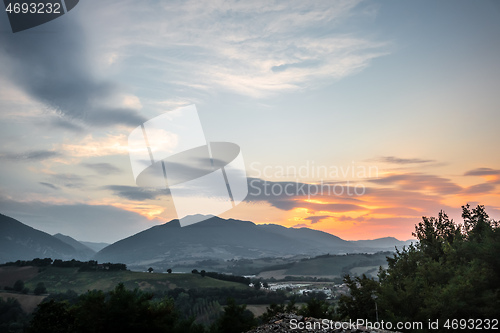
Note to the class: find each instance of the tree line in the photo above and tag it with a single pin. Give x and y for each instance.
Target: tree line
(91, 265)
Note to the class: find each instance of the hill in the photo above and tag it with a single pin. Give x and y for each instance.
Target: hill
(168, 245)
(96, 247)
(217, 238)
(330, 266)
(21, 242)
(61, 279)
(83, 252)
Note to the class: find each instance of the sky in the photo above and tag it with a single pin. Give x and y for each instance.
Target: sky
(384, 111)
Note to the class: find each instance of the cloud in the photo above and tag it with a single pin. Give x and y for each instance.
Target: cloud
(112, 116)
(51, 64)
(491, 175)
(137, 193)
(102, 168)
(419, 182)
(397, 210)
(49, 185)
(316, 219)
(68, 180)
(397, 160)
(483, 172)
(330, 207)
(424, 202)
(94, 147)
(479, 189)
(344, 218)
(290, 195)
(66, 124)
(300, 225)
(255, 49)
(34, 155)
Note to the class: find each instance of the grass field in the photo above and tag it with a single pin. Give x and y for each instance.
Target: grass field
(332, 266)
(57, 279)
(10, 274)
(28, 302)
(369, 271)
(257, 309)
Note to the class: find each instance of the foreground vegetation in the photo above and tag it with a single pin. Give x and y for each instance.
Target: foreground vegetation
(453, 272)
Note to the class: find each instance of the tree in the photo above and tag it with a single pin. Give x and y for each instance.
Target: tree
(203, 273)
(150, 269)
(291, 307)
(120, 310)
(12, 316)
(40, 289)
(235, 319)
(169, 271)
(317, 308)
(361, 302)
(194, 271)
(452, 272)
(52, 317)
(272, 310)
(19, 285)
(257, 285)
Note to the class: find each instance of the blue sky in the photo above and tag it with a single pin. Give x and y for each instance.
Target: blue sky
(407, 87)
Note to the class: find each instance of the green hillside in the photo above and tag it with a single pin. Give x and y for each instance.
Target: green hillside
(58, 279)
(337, 265)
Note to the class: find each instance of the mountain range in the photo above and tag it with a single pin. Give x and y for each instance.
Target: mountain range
(225, 239)
(170, 244)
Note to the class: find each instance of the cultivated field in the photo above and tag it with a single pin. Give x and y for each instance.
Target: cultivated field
(58, 279)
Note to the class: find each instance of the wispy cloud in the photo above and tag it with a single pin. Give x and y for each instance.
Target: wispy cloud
(479, 189)
(490, 175)
(102, 168)
(34, 155)
(419, 182)
(317, 218)
(483, 172)
(397, 160)
(89, 146)
(255, 49)
(49, 185)
(136, 193)
(68, 180)
(60, 122)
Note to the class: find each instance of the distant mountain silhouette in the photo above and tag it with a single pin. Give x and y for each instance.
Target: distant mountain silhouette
(83, 252)
(169, 244)
(21, 242)
(384, 244)
(96, 247)
(217, 238)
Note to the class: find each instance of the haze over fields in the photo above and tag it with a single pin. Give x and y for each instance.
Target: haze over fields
(390, 109)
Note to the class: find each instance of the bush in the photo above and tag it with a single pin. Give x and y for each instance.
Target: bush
(19, 285)
(40, 289)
